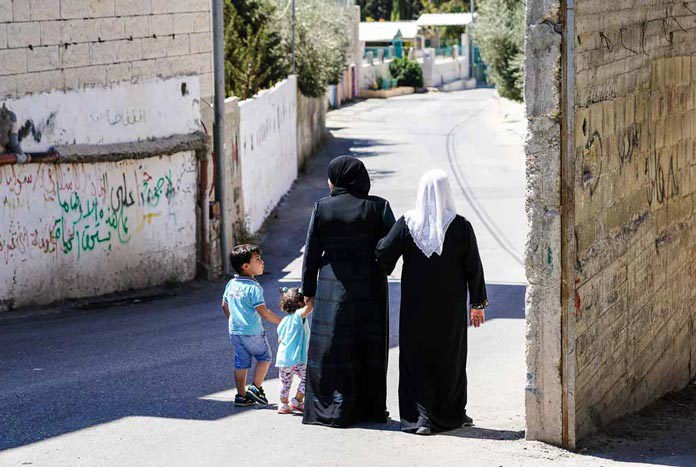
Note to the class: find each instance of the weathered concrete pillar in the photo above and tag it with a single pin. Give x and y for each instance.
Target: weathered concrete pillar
(429, 67)
(544, 393)
(466, 55)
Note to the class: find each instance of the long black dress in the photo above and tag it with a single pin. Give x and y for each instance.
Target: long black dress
(433, 320)
(347, 356)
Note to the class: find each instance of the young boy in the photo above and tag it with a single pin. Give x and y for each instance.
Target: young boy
(244, 306)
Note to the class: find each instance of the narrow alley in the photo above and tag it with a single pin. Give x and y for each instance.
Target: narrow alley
(150, 381)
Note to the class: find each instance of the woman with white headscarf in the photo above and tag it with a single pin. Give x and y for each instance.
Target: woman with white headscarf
(441, 262)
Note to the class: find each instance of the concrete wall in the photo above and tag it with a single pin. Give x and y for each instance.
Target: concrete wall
(436, 71)
(123, 112)
(75, 230)
(102, 72)
(370, 73)
(311, 126)
(634, 190)
(611, 257)
(267, 149)
(232, 180)
(440, 71)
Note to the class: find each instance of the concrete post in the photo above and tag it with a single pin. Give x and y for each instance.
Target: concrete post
(429, 67)
(466, 54)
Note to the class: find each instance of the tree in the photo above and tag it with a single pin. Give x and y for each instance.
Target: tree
(451, 34)
(322, 43)
(254, 56)
(375, 9)
(499, 34)
(403, 10)
(446, 6)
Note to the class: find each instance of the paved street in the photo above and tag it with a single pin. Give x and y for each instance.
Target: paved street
(150, 383)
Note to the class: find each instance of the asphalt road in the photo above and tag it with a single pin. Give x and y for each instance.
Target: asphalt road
(150, 383)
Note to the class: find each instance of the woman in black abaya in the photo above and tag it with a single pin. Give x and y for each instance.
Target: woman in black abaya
(441, 262)
(347, 357)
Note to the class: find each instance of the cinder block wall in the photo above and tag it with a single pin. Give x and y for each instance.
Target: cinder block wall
(635, 179)
(67, 44)
(611, 173)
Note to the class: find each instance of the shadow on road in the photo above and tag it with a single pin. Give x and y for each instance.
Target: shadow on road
(476, 432)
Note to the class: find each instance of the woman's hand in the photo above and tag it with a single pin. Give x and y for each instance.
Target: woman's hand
(477, 317)
(309, 302)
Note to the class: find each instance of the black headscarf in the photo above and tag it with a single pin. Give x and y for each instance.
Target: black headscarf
(349, 174)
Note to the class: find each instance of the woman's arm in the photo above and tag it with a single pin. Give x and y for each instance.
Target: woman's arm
(388, 220)
(390, 248)
(473, 270)
(312, 257)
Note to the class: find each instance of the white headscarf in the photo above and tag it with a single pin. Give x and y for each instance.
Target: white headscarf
(433, 214)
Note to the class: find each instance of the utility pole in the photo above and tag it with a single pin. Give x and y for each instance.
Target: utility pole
(219, 127)
(471, 40)
(293, 37)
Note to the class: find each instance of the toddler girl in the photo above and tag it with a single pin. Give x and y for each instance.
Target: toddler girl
(293, 339)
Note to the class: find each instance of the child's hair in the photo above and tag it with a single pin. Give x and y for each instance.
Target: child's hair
(291, 299)
(242, 254)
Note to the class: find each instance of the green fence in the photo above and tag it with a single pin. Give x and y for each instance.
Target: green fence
(387, 51)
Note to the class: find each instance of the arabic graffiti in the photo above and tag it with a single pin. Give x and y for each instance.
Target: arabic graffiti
(79, 208)
(126, 118)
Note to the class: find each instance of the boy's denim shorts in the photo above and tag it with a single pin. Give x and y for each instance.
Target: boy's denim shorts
(246, 347)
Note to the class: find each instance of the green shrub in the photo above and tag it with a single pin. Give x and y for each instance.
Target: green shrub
(411, 75)
(407, 72)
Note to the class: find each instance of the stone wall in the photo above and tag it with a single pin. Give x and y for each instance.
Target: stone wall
(311, 126)
(635, 179)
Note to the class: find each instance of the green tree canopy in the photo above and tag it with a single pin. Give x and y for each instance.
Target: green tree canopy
(322, 42)
(499, 33)
(254, 54)
(403, 10)
(446, 6)
(375, 9)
